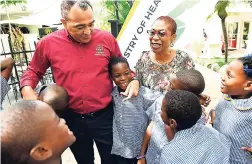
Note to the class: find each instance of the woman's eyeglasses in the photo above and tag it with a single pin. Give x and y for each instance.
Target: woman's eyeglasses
(160, 34)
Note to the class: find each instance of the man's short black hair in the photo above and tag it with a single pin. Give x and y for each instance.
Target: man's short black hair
(116, 60)
(184, 107)
(20, 131)
(56, 96)
(247, 65)
(192, 81)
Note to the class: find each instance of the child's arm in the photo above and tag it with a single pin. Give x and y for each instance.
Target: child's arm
(6, 67)
(145, 143)
(212, 115)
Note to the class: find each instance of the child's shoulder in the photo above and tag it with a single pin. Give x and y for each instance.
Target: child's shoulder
(239, 104)
(143, 88)
(115, 91)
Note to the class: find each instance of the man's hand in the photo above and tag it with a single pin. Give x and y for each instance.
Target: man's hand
(141, 161)
(131, 90)
(28, 93)
(204, 100)
(249, 149)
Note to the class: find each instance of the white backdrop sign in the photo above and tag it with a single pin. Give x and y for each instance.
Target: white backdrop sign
(188, 14)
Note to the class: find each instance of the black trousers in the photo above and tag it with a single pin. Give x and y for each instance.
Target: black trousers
(89, 128)
(121, 160)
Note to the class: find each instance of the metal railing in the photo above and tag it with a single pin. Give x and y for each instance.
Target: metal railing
(22, 59)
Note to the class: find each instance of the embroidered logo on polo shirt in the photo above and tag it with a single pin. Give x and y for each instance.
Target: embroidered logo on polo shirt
(99, 50)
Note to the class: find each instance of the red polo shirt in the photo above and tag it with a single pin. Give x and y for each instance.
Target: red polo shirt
(82, 69)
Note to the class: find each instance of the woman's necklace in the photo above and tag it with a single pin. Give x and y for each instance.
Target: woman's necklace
(163, 62)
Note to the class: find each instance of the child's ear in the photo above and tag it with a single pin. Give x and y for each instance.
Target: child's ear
(41, 152)
(248, 86)
(173, 124)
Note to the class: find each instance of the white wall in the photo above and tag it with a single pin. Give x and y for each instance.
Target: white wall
(28, 39)
(4, 44)
(32, 28)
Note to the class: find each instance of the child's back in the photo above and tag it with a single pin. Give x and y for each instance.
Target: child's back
(192, 142)
(198, 145)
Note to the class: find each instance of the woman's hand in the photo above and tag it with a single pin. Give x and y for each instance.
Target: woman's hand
(249, 149)
(131, 90)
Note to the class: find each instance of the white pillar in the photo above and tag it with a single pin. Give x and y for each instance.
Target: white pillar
(249, 45)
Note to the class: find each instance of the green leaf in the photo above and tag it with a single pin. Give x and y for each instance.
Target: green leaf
(12, 2)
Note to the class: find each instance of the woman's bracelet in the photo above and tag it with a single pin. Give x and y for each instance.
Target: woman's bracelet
(140, 157)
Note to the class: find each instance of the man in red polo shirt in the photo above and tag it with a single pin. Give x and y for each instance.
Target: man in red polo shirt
(79, 57)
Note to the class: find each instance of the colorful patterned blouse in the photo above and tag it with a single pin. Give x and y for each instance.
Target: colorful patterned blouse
(156, 76)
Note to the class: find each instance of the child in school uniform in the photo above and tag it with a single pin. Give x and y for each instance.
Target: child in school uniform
(55, 96)
(6, 69)
(32, 133)
(233, 116)
(191, 142)
(130, 119)
(156, 138)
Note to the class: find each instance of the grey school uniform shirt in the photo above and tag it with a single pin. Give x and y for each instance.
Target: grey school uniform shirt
(4, 89)
(158, 137)
(130, 121)
(197, 145)
(234, 120)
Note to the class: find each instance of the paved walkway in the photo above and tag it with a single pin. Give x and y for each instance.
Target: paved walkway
(212, 89)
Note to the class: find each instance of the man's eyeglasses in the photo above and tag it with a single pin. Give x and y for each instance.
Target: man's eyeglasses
(160, 33)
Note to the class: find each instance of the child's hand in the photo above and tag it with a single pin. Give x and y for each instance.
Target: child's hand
(204, 100)
(212, 115)
(249, 149)
(141, 161)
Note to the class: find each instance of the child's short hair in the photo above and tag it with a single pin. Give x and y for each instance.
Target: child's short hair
(116, 60)
(56, 96)
(192, 81)
(247, 65)
(184, 107)
(20, 131)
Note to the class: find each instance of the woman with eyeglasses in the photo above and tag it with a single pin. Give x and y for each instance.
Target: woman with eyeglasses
(154, 68)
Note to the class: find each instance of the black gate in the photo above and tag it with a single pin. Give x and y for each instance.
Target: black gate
(22, 59)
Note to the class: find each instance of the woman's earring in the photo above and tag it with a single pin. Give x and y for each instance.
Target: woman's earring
(171, 44)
